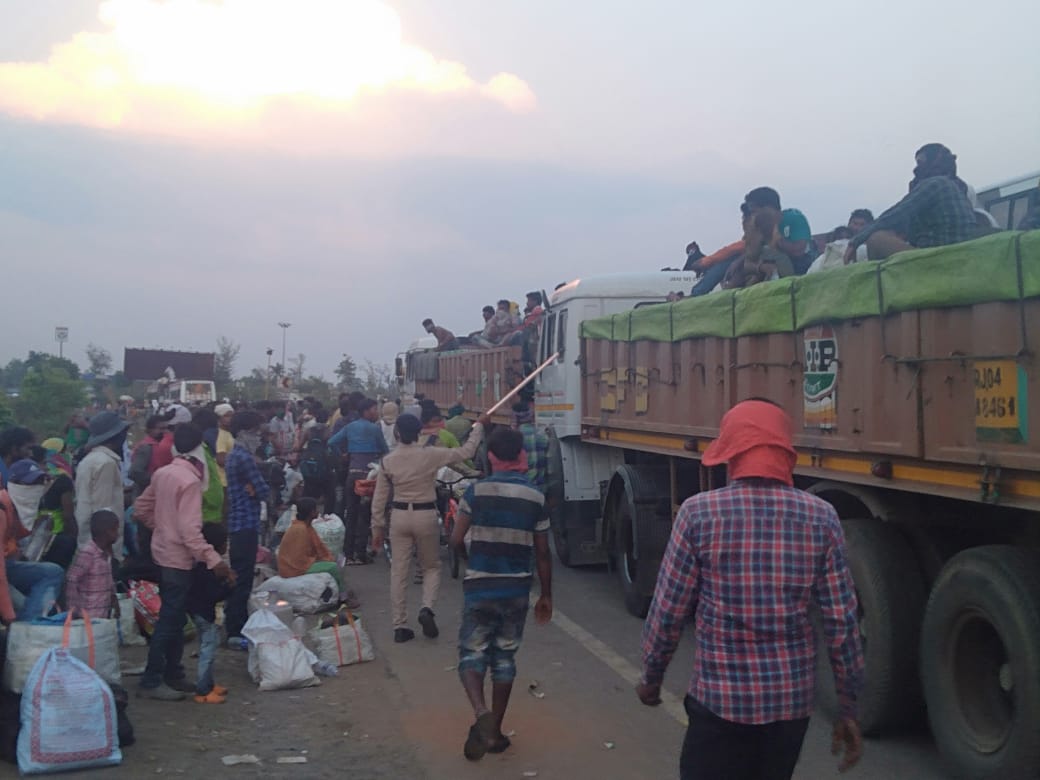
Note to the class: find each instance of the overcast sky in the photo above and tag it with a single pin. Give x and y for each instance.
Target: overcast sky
(182, 170)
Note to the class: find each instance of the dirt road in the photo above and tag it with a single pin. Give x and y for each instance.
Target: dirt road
(405, 716)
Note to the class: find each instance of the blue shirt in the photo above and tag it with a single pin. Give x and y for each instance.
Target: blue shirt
(506, 512)
(244, 509)
(364, 441)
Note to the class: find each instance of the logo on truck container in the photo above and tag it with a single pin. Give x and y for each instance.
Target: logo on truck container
(820, 382)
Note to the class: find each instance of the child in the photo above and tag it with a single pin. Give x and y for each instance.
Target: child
(205, 592)
(302, 551)
(89, 585)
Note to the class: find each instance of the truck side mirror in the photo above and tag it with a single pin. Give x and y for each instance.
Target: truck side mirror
(399, 367)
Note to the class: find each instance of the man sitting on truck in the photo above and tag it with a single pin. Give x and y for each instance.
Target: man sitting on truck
(936, 212)
(794, 241)
(445, 338)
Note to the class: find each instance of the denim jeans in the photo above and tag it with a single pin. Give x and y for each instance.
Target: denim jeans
(166, 649)
(712, 278)
(209, 637)
(243, 561)
(40, 583)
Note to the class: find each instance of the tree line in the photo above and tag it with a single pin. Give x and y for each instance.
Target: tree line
(42, 391)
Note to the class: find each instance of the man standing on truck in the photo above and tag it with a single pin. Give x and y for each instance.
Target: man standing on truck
(747, 561)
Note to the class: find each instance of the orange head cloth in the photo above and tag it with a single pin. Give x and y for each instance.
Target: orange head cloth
(755, 441)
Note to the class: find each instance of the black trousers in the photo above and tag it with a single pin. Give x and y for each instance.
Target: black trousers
(717, 749)
(243, 545)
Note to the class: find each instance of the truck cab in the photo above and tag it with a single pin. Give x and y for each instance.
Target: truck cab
(577, 469)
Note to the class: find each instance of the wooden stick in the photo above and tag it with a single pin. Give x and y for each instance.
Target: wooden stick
(527, 380)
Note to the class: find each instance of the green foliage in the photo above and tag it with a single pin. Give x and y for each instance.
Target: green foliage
(6, 413)
(100, 360)
(347, 373)
(48, 396)
(224, 362)
(40, 360)
(12, 374)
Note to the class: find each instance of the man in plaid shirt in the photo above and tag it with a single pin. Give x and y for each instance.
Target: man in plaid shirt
(747, 561)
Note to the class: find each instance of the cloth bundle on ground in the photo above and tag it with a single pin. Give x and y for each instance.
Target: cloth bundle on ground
(68, 717)
(146, 600)
(277, 658)
(343, 643)
(331, 531)
(27, 641)
(308, 593)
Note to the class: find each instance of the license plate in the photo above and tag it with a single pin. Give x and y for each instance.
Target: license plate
(1000, 401)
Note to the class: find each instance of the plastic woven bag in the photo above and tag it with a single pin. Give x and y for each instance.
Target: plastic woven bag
(308, 593)
(277, 659)
(330, 530)
(68, 716)
(342, 645)
(146, 600)
(94, 641)
(129, 632)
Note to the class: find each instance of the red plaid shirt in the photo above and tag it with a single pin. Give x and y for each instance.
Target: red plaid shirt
(89, 584)
(747, 561)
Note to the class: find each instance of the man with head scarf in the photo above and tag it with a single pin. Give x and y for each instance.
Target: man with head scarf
(746, 562)
(936, 212)
(171, 507)
(99, 481)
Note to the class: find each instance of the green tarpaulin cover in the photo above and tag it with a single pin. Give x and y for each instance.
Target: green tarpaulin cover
(987, 269)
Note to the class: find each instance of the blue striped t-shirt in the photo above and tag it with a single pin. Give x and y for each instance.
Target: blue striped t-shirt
(506, 511)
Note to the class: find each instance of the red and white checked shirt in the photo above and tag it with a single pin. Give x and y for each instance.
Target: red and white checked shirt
(89, 584)
(748, 561)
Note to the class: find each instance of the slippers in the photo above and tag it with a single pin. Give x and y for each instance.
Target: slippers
(480, 734)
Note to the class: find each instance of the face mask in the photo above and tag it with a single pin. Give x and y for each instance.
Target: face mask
(250, 440)
(198, 455)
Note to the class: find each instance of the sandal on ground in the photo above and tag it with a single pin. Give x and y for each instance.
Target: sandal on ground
(210, 698)
(480, 734)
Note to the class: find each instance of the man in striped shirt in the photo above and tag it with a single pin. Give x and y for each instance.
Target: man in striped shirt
(747, 562)
(505, 518)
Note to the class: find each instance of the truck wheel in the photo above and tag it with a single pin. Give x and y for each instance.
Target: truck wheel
(980, 652)
(891, 595)
(563, 550)
(626, 558)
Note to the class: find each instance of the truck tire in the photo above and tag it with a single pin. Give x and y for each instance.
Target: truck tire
(980, 652)
(627, 561)
(891, 594)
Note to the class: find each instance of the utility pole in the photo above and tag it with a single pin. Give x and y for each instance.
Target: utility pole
(267, 384)
(285, 327)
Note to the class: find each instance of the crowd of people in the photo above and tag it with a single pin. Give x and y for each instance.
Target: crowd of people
(189, 505)
(939, 209)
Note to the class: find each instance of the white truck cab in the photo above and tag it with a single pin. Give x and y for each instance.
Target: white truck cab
(579, 466)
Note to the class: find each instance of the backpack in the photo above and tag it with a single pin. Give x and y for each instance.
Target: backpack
(314, 465)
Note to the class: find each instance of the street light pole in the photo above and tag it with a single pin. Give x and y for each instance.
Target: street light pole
(267, 384)
(285, 327)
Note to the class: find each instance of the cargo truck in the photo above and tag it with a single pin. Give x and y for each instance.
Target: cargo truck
(910, 383)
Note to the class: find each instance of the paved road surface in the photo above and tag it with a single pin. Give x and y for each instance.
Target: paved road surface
(405, 715)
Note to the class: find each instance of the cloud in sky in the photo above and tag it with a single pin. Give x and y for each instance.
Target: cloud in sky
(240, 68)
